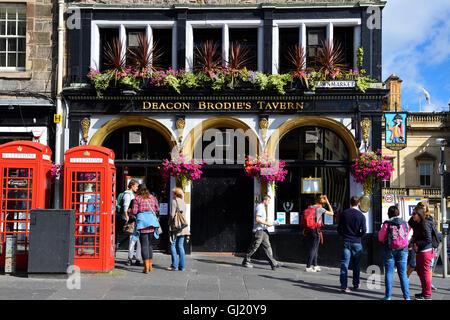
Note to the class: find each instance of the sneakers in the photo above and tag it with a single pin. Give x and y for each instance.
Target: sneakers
(310, 269)
(386, 298)
(247, 265)
(420, 296)
(317, 268)
(129, 262)
(357, 286)
(433, 287)
(278, 265)
(346, 290)
(137, 263)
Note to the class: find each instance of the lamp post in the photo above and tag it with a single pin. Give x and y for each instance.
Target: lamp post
(442, 169)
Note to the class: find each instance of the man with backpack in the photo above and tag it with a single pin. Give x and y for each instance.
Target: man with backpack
(123, 205)
(394, 236)
(352, 226)
(261, 235)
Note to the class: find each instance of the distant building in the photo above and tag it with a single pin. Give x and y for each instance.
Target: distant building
(416, 166)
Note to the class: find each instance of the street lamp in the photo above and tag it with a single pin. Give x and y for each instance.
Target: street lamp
(442, 168)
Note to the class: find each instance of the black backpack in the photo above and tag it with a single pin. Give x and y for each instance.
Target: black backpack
(435, 239)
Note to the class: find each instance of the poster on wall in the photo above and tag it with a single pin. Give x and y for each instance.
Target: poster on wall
(395, 135)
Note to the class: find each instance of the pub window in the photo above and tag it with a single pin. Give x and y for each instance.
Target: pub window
(344, 36)
(248, 38)
(314, 39)
(107, 35)
(425, 174)
(318, 153)
(162, 38)
(132, 44)
(288, 38)
(201, 36)
(137, 143)
(13, 21)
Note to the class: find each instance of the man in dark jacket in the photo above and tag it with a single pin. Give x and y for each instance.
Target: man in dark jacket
(352, 226)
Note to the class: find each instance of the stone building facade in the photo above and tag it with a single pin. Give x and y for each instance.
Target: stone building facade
(416, 167)
(27, 70)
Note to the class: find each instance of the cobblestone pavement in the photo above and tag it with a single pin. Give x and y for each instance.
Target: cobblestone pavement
(207, 277)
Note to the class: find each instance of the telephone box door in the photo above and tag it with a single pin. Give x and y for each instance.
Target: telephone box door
(17, 201)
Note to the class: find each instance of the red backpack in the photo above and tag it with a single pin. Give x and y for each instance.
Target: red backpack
(308, 219)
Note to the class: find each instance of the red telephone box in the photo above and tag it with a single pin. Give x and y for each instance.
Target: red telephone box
(25, 184)
(89, 189)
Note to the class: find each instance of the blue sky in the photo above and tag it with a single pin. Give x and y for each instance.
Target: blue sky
(416, 47)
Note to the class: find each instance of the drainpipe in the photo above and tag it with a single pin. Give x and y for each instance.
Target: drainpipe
(59, 141)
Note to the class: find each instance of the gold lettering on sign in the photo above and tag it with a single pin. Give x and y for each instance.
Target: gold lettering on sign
(216, 106)
(166, 106)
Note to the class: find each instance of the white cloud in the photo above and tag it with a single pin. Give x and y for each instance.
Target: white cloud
(416, 37)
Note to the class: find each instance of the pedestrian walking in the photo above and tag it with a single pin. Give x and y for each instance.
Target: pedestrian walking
(261, 235)
(177, 235)
(352, 226)
(394, 236)
(130, 218)
(422, 244)
(145, 207)
(412, 260)
(313, 231)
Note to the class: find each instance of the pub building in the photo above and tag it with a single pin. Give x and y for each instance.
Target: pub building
(316, 132)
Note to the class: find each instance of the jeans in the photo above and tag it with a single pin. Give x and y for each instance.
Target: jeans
(399, 259)
(314, 250)
(423, 262)
(261, 237)
(350, 249)
(146, 245)
(178, 242)
(412, 259)
(131, 245)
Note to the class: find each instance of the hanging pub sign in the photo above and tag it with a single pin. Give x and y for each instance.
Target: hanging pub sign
(395, 134)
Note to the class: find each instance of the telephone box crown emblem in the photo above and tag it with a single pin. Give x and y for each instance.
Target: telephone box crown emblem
(86, 153)
(19, 148)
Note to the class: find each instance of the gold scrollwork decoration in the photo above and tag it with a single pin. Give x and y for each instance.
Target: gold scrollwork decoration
(365, 125)
(85, 125)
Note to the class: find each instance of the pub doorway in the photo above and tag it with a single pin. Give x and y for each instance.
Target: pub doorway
(139, 151)
(222, 200)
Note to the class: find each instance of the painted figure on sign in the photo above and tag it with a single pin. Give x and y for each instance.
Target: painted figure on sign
(397, 130)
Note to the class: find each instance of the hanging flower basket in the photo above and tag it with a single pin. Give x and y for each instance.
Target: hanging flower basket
(266, 169)
(370, 168)
(56, 172)
(180, 168)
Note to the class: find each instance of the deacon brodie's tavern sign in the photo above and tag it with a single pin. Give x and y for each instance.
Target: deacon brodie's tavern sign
(223, 105)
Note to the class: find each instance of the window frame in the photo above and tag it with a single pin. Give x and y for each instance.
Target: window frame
(225, 25)
(430, 164)
(122, 26)
(302, 24)
(16, 36)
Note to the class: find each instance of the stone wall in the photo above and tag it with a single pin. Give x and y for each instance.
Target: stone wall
(39, 76)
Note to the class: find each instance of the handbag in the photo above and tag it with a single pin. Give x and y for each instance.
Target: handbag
(129, 228)
(179, 221)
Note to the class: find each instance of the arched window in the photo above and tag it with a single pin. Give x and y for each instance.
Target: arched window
(319, 153)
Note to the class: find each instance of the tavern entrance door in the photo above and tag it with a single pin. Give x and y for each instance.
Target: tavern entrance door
(222, 211)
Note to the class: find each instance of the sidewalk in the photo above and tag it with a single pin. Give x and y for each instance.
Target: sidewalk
(207, 277)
